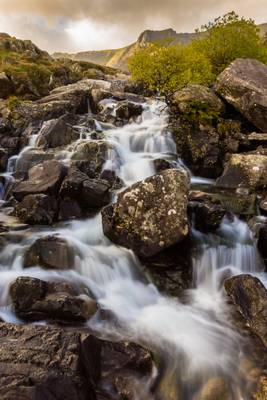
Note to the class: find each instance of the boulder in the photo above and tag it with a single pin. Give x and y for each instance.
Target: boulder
(36, 300)
(93, 153)
(262, 242)
(38, 209)
(244, 85)
(150, 215)
(197, 96)
(56, 133)
(30, 158)
(127, 110)
(250, 297)
(41, 362)
(69, 209)
(207, 216)
(244, 171)
(89, 193)
(7, 87)
(50, 252)
(44, 178)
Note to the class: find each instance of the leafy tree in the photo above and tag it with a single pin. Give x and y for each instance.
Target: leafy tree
(230, 37)
(167, 69)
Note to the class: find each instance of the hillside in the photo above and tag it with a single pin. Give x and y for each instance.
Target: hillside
(117, 58)
(29, 72)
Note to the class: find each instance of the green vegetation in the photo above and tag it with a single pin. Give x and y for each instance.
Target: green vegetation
(168, 68)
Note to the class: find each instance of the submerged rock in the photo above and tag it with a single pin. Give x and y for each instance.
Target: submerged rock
(47, 363)
(37, 209)
(50, 252)
(250, 297)
(244, 85)
(244, 171)
(150, 215)
(56, 133)
(36, 300)
(215, 389)
(44, 178)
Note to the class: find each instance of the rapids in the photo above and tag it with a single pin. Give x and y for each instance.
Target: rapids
(192, 338)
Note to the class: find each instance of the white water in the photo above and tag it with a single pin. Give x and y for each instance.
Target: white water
(194, 339)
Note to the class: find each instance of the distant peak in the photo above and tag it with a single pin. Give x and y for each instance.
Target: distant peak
(153, 36)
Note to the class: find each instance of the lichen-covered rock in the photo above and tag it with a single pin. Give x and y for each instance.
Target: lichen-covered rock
(56, 133)
(93, 153)
(37, 209)
(150, 215)
(244, 85)
(244, 171)
(45, 178)
(35, 300)
(197, 95)
(41, 362)
(50, 252)
(250, 297)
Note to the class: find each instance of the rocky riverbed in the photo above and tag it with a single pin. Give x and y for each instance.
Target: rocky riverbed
(133, 242)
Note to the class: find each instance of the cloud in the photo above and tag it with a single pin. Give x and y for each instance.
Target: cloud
(119, 21)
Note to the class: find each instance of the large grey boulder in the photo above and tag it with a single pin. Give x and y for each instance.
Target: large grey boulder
(56, 133)
(45, 178)
(244, 170)
(150, 215)
(244, 85)
(250, 297)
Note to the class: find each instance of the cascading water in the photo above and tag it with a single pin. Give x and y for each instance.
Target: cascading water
(193, 339)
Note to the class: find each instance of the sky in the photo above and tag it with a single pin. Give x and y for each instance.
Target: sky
(77, 25)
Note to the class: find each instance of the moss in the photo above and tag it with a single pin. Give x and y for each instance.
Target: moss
(199, 112)
(13, 102)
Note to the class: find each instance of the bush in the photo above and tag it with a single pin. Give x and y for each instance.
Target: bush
(230, 37)
(165, 69)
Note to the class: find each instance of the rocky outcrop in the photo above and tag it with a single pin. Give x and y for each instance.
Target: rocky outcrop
(37, 209)
(244, 85)
(56, 133)
(50, 252)
(41, 362)
(250, 297)
(244, 171)
(44, 178)
(37, 300)
(150, 215)
(6, 86)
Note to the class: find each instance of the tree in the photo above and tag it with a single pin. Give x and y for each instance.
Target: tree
(167, 69)
(230, 37)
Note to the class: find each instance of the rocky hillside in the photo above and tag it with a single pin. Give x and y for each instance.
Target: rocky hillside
(26, 71)
(117, 58)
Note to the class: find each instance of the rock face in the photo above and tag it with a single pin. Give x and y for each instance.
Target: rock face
(35, 300)
(38, 209)
(244, 85)
(50, 252)
(150, 215)
(250, 297)
(44, 178)
(244, 170)
(40, 362)
(6, 86)
(56, 133)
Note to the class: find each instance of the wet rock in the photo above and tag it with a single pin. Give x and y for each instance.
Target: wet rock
(3, 159)
(56, 133)
(45, 178)
(261, 391)
(7, 87)
(69, 209)
(207, 216)
(88, 192)
(50, 252)
(215, 389)
(36, 300)
(30, 158)
(47, 363)
(93, 152)
(244, 85)
(38, 209)
(127, 110)
(114, 181)
(124, 364)
(244, 171)
(161, 164)
(250, 297)
(262, 242)
(198, 96)
(150, 215)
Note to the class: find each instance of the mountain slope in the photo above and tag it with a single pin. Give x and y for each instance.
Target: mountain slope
(117, 58)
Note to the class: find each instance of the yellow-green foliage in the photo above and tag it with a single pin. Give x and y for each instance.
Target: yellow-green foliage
(230, 37)
(168, 68)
